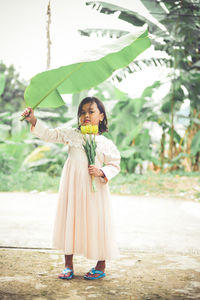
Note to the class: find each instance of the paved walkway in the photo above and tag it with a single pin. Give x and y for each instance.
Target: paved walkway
(142, 223)
(159, 244)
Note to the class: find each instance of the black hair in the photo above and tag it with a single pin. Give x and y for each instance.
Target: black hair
(103, 125)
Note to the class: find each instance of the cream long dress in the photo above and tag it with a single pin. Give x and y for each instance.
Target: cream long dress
(83, 222)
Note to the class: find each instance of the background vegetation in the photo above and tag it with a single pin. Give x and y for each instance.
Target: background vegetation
(166, 162)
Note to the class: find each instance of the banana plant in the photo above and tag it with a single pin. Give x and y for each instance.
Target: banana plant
(174, 27)
(126, 128)
(93, 68)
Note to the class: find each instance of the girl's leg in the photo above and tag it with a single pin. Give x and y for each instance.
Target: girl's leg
(69, 261)
(101, 265)
(68, 264)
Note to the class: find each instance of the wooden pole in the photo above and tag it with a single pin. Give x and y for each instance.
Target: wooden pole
(48, 36)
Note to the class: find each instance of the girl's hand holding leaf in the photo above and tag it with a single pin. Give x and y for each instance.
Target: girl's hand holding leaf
(28, 113)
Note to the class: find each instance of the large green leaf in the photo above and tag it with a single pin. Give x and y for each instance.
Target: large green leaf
(45, 88)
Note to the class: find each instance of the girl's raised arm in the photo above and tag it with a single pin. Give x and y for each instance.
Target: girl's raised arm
(56, 135)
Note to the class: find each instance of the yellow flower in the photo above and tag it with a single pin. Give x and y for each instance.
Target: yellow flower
(90, 129)
(87, 128)
(95, 129)
(83, 129)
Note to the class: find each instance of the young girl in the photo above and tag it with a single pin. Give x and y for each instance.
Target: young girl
(83, 222)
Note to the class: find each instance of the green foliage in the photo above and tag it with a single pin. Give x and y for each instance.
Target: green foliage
(177, 137)
(28, 181)
(13, 151)
(7, 163)
(176, 32)
(195, 147)
(2, 83)
(173, 184)
(51, 161)
(11, 89)
(127, 131)
(17, 147)
(177, 160)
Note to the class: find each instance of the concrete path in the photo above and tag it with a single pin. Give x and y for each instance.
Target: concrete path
(142, 223)
(159, 242)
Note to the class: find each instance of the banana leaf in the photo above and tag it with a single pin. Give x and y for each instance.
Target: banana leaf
(2, 83)
(93, 67)
(195, 147)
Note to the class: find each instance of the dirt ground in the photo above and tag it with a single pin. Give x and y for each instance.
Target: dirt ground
(32, 274)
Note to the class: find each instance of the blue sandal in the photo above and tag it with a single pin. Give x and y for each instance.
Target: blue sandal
(93, 272)
(64, 272)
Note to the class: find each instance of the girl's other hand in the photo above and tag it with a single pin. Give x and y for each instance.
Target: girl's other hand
(95, 171)
(28, 113)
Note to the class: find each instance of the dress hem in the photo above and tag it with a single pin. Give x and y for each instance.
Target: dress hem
(87, 256)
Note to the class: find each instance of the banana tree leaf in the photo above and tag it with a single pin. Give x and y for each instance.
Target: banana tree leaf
(45, 88)
(149, 12)
(195, 147)
(2, 83)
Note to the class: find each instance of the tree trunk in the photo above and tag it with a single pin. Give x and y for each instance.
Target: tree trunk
(192, 130)
(162, 151)
(48, 36)
(196, 164)
(171, 141)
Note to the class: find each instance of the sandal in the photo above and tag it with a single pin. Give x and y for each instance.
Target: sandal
(64, 272)
(93, 272)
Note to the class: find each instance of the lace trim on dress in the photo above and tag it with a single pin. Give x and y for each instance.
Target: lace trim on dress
(75, 139)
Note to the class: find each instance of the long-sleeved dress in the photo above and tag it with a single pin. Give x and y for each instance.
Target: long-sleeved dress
(83, 222)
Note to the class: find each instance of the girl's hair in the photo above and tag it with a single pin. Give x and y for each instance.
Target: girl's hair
(103, 125)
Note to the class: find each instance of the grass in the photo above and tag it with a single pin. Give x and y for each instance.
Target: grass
(27, 181)
(176, 184)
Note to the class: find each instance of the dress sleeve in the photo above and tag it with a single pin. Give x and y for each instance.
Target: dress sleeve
(112, 161)
(56, 135)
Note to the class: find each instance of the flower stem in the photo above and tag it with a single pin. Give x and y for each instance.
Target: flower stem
(94, 189)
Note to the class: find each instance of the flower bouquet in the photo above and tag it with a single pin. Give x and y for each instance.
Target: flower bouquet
(90, 146)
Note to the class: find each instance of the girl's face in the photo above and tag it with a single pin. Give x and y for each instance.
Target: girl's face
(90, 114)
